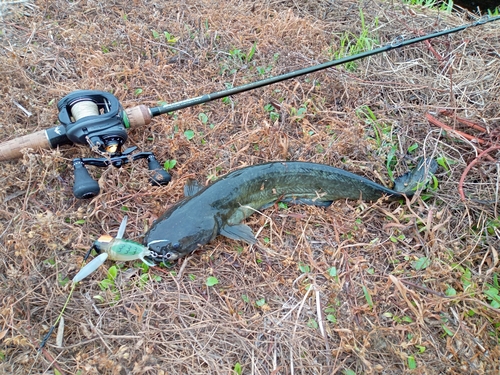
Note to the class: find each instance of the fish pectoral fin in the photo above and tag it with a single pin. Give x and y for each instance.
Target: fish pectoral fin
(240, 232)
(192, 187)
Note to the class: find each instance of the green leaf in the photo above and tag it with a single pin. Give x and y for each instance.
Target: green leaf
(138, 92)
(390, 162)
(450, 291)
(466, 279)
(63, 281)
(304, 268)
(112, 272)
(50, 261)
(368, 296)
(105, 284)
(312, 323)
(412, 364)
(421, 348)
(443, 162)
(421, 264)
(80, 222)
(250, 53)
(331, 318)
(237, 368)
(211, 281)
(348, 371)
(332, 271)
(282, 205)
(412, 148)
(203, 118)
(447, 330)
(260, 302)
(192, 277)
(170, 38)
(169, 164)
(245, 298)
(155, 33)
(493, 294)
(189, 134)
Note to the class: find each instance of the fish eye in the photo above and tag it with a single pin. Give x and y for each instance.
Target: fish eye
(168, 255)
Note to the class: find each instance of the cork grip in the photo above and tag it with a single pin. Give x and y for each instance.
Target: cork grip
(12, 149)
(138, 116)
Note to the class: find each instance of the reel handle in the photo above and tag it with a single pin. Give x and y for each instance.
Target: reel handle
(159, 176)
(84, 186)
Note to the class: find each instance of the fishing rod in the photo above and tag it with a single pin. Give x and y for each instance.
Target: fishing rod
(97, 119)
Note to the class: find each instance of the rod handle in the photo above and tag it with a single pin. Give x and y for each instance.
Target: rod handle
(12, 149)
(138, 116)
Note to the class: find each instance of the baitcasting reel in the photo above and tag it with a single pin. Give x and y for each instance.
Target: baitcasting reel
(96, 118)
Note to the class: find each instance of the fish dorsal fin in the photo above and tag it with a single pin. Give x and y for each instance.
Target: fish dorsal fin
(192, 187)
(239, 232)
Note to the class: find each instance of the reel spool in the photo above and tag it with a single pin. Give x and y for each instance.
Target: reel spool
(96, 118)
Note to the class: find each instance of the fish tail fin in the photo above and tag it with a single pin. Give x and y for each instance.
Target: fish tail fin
(417, 178)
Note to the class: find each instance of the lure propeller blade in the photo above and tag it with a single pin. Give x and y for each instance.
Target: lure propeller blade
(121, 230)
(90, 267)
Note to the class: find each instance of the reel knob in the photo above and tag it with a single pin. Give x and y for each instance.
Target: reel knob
(84, 187)
(159, 175)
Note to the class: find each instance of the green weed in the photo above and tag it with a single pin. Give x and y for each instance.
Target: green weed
(169, 38)
(169, 164)
(189, 134)
(385, 140)
(445, 6)
(260, 302)
(211, 281)
(312, 323)
(412, 363)
(368, 296)
(495, 12)
(273, 115)
(237, 59)
(493, 292)
(298, 113)
(351, 44)
(237, 369)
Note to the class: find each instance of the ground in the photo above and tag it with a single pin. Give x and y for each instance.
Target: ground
(355, 288)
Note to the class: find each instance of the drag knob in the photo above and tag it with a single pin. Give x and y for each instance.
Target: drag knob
(84, 187)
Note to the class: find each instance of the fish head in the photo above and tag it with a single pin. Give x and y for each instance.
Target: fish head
(172, 238)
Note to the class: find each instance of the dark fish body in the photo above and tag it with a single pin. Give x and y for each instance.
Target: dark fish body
(221, 207)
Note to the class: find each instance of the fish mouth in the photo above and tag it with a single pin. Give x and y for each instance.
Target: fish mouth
(166, 253)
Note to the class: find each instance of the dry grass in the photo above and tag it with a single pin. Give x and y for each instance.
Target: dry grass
(179, 325)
